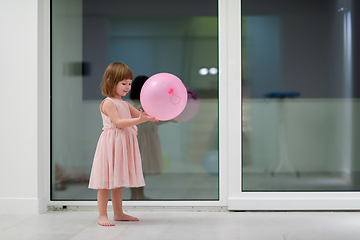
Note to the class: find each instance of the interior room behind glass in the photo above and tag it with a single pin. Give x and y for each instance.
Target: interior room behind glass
(179, 37)
(300, 97)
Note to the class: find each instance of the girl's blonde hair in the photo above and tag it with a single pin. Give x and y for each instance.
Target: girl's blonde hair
(114, 73)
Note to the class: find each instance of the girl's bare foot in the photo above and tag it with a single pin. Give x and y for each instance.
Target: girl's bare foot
(125, 217)
(104, 221)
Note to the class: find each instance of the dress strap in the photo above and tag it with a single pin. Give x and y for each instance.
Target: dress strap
(102, 103)
(109, 98)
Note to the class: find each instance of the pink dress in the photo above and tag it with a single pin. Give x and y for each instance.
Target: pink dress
(117, 161)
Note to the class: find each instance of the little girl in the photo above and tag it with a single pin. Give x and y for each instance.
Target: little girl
(117, 161)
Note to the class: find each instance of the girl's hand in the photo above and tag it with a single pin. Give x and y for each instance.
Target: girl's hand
(144, 117)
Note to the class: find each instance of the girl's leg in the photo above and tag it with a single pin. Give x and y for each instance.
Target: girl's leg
(102, 199)
(119, 215)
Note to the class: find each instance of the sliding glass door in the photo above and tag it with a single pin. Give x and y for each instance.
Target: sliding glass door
(179, 37)
(300, 98)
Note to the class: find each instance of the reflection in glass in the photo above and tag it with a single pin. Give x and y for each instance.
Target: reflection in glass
(179, 38)
(300, 99)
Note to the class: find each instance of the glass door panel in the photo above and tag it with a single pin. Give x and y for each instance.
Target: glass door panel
(300, 98)
(150, 37)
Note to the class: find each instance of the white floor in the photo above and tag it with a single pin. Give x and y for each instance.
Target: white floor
(189, 225)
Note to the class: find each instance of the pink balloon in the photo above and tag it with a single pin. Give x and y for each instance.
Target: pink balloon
(163, 96)
(192, 107)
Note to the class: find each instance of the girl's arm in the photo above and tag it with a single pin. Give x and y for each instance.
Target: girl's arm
(136, 113)
(133, 111)
(110, 110)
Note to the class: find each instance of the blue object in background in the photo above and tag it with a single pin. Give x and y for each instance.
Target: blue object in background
(211, 162)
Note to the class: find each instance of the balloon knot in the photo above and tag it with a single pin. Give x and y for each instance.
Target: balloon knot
(171, 91)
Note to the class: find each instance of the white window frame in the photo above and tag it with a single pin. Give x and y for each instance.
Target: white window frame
(237, 199)
(231, 194)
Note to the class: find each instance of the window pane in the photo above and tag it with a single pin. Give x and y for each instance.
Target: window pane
(179, 37)
(300, 104)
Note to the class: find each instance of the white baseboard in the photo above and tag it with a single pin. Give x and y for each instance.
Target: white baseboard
(23, 205)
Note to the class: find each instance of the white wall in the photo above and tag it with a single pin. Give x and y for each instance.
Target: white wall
(22, 148)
